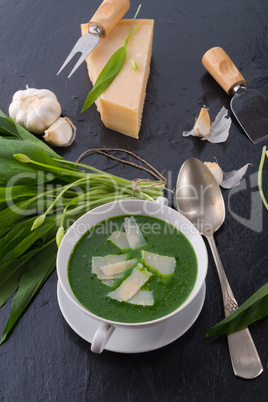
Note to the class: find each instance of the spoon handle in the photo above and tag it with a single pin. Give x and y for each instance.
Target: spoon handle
(244, 356)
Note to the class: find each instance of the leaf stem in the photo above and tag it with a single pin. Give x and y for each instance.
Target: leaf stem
(25, 159)
(260, 177)
(40, 219)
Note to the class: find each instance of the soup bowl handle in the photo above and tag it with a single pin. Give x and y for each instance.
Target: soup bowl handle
(101, 337)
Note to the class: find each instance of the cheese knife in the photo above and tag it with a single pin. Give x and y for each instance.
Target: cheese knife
(249, 106)
(105, 18)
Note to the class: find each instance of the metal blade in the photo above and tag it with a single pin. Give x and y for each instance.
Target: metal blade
(84, 45)
(250, 108)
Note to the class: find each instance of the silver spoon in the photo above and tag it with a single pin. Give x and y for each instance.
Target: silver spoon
(200, 200)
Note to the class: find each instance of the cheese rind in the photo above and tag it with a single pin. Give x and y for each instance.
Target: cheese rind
(121, 105)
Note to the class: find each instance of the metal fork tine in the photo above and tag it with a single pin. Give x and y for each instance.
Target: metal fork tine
(80, 61)
(69, 57)
(105, 18)
(84, 45)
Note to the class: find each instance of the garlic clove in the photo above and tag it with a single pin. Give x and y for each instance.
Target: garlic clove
(220, 127)
(33, 122)
(227, 180)
(20, 116)
(61, 133)
(218, 130)
(216, 171)
(44, 93)
(202, 125)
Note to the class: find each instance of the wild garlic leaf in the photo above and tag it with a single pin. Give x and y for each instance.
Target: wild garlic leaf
(11, 283)
(14, 236)
(111, 69)
(106, 77)
(254, 309)
(9, 216)
(7, 126)
(40, 267)
(8, 258)
(10, 276)
(17, 132)
(11, 193)
(25, 173)
(27, 242)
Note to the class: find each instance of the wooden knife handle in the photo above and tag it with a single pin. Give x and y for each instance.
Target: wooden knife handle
(109, 14)
(222, 69)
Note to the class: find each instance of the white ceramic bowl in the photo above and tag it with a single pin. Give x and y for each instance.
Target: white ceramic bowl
(130, 337)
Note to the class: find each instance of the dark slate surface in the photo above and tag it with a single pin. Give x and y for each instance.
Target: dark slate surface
(44, 359)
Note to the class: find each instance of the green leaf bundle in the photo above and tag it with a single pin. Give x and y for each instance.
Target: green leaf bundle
(41, 195)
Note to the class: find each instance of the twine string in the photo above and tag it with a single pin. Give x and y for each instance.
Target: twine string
(135, 183)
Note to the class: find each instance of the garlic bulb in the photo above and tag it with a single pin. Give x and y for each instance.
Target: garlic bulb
(202, 124)
(216, 171)
(61, 133)
(35, 109)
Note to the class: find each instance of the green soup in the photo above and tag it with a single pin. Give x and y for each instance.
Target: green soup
(169, 291)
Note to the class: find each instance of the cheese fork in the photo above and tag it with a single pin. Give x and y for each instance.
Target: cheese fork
(106, 17)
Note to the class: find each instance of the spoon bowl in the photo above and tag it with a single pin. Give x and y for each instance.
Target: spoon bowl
(200, 200)
(199, 197)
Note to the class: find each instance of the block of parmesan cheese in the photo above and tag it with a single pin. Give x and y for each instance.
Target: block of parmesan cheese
(121, 105)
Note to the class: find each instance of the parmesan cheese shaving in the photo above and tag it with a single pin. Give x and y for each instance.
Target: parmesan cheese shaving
(131, 285)
(119, 239)
(118, 267)
(142, 298)
(162, 264)
(108, 282)
(98, 262)
(134, 236)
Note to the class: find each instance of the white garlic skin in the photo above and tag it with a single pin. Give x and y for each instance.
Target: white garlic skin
(203, 124)
(35, 109)
(216, 171)
(61, 133)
